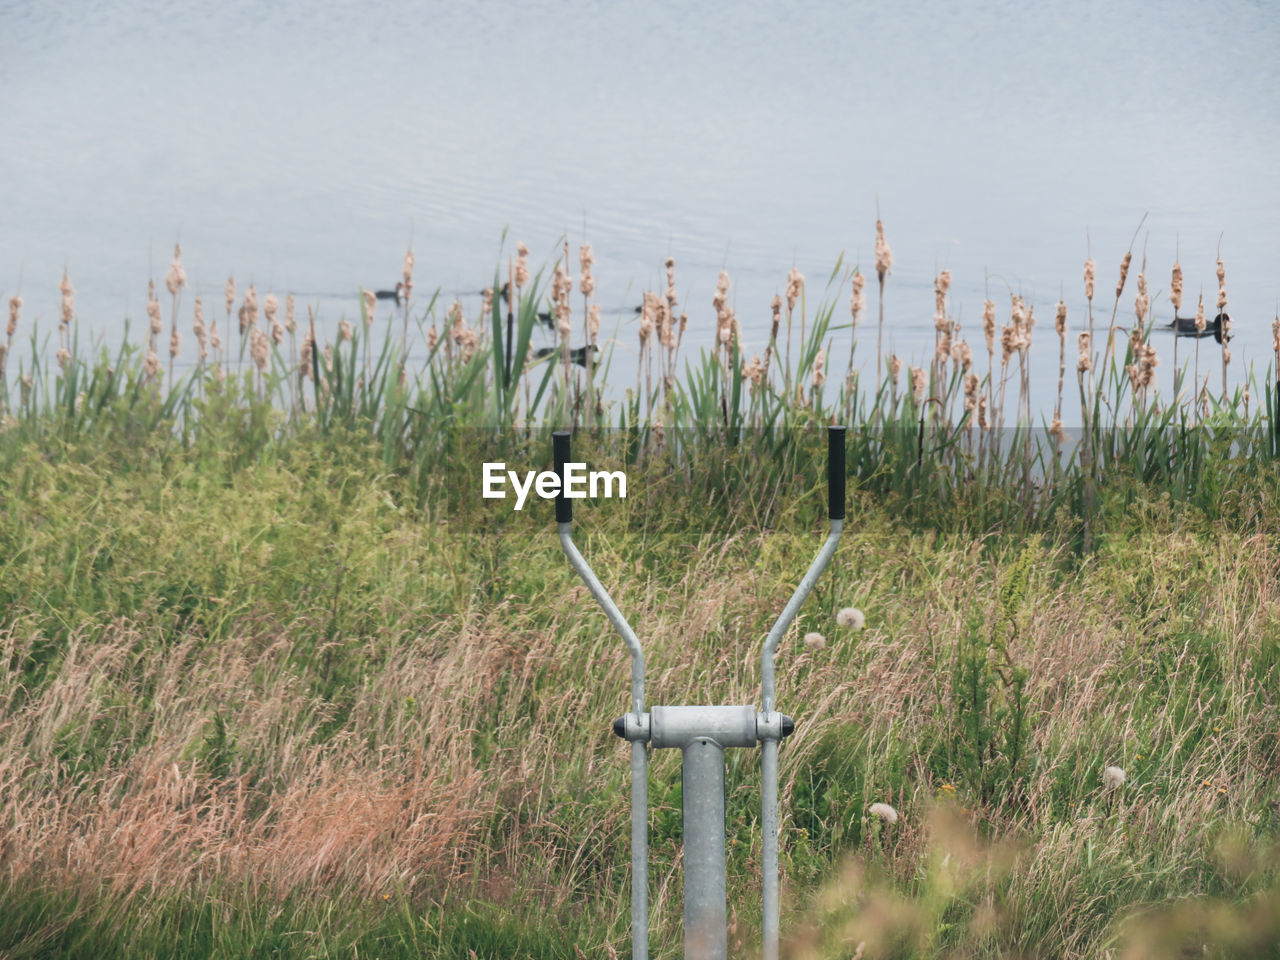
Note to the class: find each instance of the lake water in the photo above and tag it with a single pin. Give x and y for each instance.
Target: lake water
(304, 146)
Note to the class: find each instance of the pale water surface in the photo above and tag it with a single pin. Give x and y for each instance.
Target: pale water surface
(303, 146)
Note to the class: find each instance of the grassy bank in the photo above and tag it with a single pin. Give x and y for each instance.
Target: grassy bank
(277, 701)
(280, 683)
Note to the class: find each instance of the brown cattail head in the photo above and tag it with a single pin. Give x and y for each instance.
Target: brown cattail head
(1056, 431)
(407, 272)
(175, 342)
(1142, 302)
(895, 368)
(522, 265)
(795, 286)
(270, 307)
(198, 327)
(15, 311)
(593, 321)
(68, 300)
(1222, 286)
(64, 358)
(1085, 362)
(151, 366)
(1200, 321)
(1060, 321)
(918, 383)
(153, 310)
(289, 323)
(259, 348)
(1090, 271)
(345, 332)
(989, 323)
(215, 338)
(1175, 288)
(229, 293)
(1124, 272)
(982, 412)
(857, 302)
(370, 301)
(176, 278)
(776, 306)
(819, 363)
(753, 372)
(965, 355)
(587, 285)
(884, 256)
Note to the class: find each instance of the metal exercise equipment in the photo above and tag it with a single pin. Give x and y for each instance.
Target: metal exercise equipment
(703, 733)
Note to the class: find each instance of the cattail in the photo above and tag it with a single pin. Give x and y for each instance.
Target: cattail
(370, 301)
(593, 321)
(259, 349)
(328, 357)
(989, 324)
(982, 412)
(1085, 362)
(215, 339)
(819, 362)
(433, 337)
(407, 273)
(1142, 301)
(814, 641)
(68, 301)
(1200, 321)
(1056, 431)
(64, 358)
(15, 310)
(1275, 340)
(1060, 321)
(198, 328)
(249, 311)
(289, 323)
(1113, 778)
(229, 293)
(1175, 288)
(587, 285)
(884, 812)
(857, 302)
(153, 310)
(647, 310)
(795, 287)
(151, 366)
(176, 278)
(918, 383)
(776, 306)
(345, 332)
(753, 372)
(522, 265)
(964, 355)
(895, 368)
(851, 618)
(884, 256)
(307, 356)
(1090, 270)
(1124, 272)
(1222, 286)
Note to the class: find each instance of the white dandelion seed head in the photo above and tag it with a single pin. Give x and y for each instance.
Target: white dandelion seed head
(884, 812)
(852, 618)
(1112, 778)
(815, 641)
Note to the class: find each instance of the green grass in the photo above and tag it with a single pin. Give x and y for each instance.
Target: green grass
(280, 684)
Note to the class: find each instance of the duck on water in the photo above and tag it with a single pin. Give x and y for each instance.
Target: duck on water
(1186, 327)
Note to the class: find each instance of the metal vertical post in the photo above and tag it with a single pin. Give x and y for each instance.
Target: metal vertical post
(705, 897)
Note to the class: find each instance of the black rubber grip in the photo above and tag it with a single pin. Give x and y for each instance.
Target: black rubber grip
(835, 472)
(560, 450)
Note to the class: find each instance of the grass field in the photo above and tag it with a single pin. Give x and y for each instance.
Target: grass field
(278, 685)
